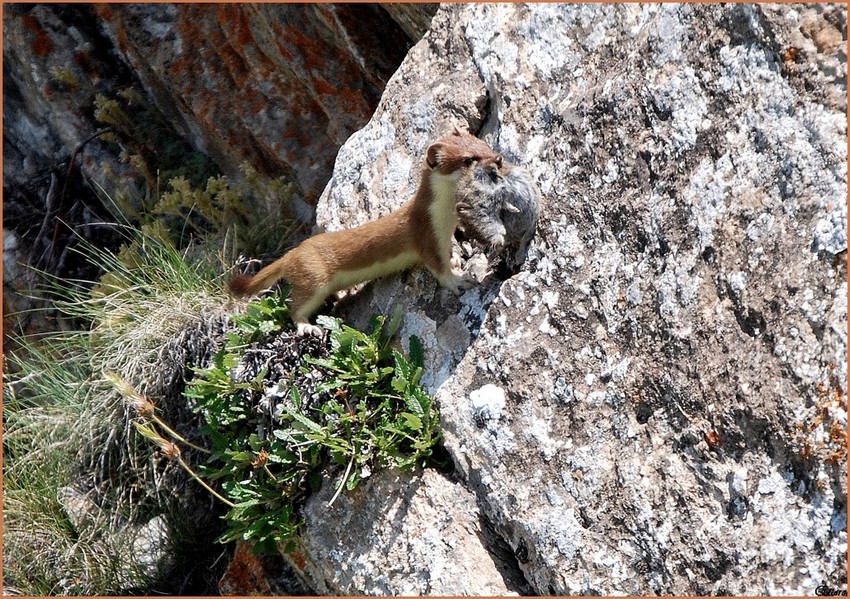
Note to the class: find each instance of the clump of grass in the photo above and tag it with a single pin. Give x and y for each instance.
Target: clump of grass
(156, 311)
(151, 318)
(148, 294)
(40, 544)
(51, 421)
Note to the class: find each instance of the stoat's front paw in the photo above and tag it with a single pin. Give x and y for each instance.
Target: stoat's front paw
(457, 284)
(466, 282)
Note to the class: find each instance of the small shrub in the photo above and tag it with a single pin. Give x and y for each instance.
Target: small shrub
(273, 427)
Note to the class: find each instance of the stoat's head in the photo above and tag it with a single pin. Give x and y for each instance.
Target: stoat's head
(458, 152)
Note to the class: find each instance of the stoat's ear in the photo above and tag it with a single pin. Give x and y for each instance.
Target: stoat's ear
(511, 208)
(432, 156)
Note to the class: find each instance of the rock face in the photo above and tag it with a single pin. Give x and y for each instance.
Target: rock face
(54, 62)
(425, 539)
(278, 85)
(656, 402)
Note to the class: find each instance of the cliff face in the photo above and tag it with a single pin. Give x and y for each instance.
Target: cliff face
(656, 403)
(280, 86)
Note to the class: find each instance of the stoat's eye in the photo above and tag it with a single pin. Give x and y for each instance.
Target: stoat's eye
(499, 161)
(468, 161)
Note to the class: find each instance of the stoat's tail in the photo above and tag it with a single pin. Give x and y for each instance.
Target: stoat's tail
(244, 285)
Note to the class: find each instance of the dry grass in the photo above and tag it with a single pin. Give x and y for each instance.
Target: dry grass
(150, 319)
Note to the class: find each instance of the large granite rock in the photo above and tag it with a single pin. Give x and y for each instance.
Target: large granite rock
(426, 537)
(656, 402)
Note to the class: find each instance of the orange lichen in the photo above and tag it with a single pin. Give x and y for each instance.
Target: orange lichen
(283, 51)
(312, 51)
(825, 436)
(42, 45)
(245, 575)
(104, 11)
(31, 23)
(323, 87)
(123, 43)
(235, 17)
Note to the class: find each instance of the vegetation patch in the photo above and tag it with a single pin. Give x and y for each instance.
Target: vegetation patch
(151, 400)
(67, 431)
(279, 409)
(246, 419)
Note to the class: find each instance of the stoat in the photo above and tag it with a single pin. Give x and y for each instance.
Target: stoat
(499, 209)
(420, 232)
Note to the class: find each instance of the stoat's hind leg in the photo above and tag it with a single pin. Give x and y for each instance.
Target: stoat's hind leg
(305, 328)
(304, 303)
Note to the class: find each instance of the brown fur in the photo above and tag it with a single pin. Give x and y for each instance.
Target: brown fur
(329, 262)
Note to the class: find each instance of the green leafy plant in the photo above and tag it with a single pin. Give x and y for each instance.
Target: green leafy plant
(373, 382)
(367, 412)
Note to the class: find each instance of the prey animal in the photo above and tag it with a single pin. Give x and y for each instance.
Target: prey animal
(499, 208)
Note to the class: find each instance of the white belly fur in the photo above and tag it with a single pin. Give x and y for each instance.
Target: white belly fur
(442, 211)
(348, 278)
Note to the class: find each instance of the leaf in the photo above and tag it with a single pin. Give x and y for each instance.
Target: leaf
(268, 326)
(303, 420)
(417, 401)
(279, 456)
(399, 384)
(414, 403)
(229, 361)
(352, 481)
(241, 457)
(395, 322)
(412, 421)
(295, 396)
(403, 367)
(417, 352)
